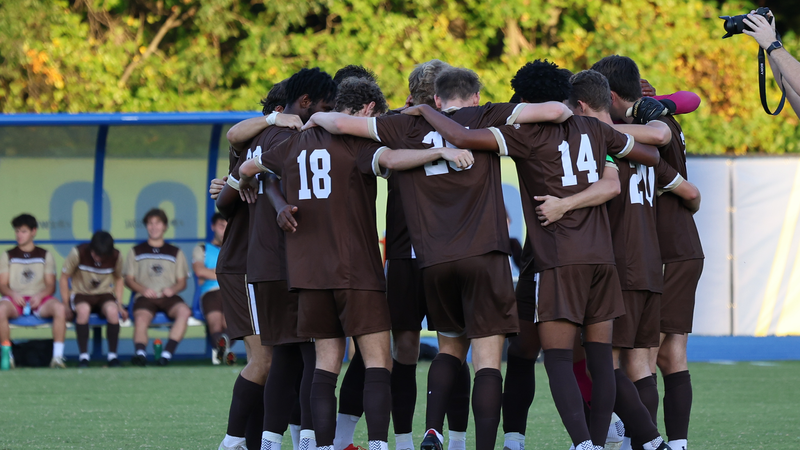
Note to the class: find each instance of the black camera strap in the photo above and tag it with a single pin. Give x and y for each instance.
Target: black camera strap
(762, 80)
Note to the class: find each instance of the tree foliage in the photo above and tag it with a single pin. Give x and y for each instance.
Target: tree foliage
(190, 55)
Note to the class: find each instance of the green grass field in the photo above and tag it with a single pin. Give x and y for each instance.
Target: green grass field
(739, 406)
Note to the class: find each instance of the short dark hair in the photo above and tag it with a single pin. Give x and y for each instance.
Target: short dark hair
(216, 218)
(276, 97)
(353, 70)
(102, 244)
(155, 212)
(457, 83)
(316, 83)
(354, 93)
(542, 81)
(623, 76)
(590, 87)
(421, 81)
(25, 220)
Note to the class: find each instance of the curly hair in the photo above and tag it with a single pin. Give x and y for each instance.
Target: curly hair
(457, 83)
(623, 76)
(354, 93)
(353, 70)
(421, 81)
(590, 87)
(276, 97)
(316, 83)
(542, 81)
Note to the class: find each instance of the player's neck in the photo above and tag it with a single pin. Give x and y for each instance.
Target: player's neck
(27, 247)
(217, 242)
(155, 243)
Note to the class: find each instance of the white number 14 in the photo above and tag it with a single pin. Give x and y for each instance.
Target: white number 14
(586, 162)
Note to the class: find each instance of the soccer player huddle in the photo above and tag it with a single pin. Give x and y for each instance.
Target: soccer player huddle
(612, 258)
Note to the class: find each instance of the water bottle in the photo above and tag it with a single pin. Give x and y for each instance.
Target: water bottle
(157, 349)
(5, 356)
(26, 310)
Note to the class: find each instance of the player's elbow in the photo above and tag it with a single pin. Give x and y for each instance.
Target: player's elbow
(663, 138)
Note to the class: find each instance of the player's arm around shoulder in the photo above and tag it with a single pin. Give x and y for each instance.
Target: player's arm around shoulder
(453, 132)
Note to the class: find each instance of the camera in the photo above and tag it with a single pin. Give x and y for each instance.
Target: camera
(735, 25)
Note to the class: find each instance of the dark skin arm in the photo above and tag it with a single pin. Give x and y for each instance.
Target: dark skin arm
(452, 132)
(285, 218)
(227, 201)
(644, 154)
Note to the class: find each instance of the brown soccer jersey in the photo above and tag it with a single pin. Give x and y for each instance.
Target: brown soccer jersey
(632, 215)
(451, 213)
(563, 160)
(26, 270)
(331, 180)
(266, 250)
(233, 253)
(90, 277)
(398, 240)
(677, 232)
(156, 268)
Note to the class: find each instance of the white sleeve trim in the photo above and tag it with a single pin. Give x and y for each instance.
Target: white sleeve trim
(233, 182)
(376, 165)
(628, 147)
(512, 119)
(260, 166)
(673, 184)
(502, 147)
(372, 125)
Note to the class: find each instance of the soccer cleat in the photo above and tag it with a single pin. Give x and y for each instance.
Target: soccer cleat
(162, 361)
(665, 446)
(57, 363)
(431, 441)
(224, 352)
(354, 447)
(83, 363)
(241, 446)
(214, 358)
(114, 362)
(678, 444)
(139, 360)
(616, 433)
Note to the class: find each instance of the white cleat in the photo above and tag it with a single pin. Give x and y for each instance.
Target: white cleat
(240, 446)
(57, 363)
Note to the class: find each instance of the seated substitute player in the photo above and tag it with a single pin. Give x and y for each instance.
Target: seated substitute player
(434, 197)
(204, 263)
(95, 270)
(681, 254)
(156, 272)
(332, 251)
(28, 277)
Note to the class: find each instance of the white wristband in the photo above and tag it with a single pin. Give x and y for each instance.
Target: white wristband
(271, 118)
(233, 182)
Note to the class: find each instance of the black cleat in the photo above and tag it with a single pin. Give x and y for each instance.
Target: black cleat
(139, 360)
(162, 361)
(431, 441)
(83, 363)
(114, 362)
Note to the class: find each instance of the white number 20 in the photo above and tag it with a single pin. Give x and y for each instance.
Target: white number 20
(586, 162)
(439, 167)
(320, 162)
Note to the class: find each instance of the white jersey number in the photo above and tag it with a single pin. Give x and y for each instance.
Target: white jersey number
(253, 155)
(320, 162)
(586, 162)
(648, 174)
(440, 166)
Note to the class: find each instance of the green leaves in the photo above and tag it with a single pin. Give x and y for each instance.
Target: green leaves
(226, 54)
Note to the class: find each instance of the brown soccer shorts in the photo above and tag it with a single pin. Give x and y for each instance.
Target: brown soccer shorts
(582, 294)
(96, 302)
(406, 295)
(677, 302)
(154, 305)
(640, 326)
(278, 323)
(333, 313)
(238, 305)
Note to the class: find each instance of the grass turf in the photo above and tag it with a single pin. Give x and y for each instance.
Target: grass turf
(740, 406)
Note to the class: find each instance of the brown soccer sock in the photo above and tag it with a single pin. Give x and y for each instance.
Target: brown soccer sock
(441, 378)
(600, 363)
(247, 396)
(112, 334)
(520, 387)
(309, 362)
(633, 413)
(487, 399)
(566, 394)
(351, 392)
(323, 406)
(648, 392)
(82, 334)
(279, 391)
(458, 409)
(404, 396)
(377, 402)
(677, 404)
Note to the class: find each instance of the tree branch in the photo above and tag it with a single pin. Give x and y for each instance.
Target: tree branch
(172, 22)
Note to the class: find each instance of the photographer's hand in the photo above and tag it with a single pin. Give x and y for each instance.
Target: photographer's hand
(763, 32)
